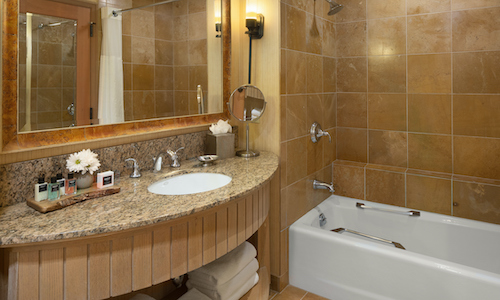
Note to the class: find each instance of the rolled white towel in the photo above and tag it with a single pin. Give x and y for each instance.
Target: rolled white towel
(229, 292)
(142, 297)
(194, 294)
(231, 285)
(223, 269)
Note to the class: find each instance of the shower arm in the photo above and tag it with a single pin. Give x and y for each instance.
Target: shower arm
(116, 12)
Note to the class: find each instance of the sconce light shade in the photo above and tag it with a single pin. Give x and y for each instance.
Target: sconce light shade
(255, 25)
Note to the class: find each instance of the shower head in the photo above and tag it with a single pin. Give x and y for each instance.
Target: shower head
(334, 7)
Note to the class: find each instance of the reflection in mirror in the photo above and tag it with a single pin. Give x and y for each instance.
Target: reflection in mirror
(247, 104)
(169, 55)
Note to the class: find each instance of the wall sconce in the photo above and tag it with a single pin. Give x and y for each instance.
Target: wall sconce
(254, 21)
(218, 18)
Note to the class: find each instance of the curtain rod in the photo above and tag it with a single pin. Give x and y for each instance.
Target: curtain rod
(116, 12)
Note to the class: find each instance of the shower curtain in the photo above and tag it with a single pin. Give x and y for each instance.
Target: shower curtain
(111, 107)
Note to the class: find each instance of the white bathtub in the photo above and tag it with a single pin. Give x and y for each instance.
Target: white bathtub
(445, 257)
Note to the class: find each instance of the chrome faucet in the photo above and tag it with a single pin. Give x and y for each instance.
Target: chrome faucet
(135, 172)
(319, 185)
(175, 158)
(157, 163)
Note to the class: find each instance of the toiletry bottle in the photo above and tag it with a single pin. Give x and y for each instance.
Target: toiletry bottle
(105, 179)
(41, 190)
(53, 189)
(61, 181)
(70, 185)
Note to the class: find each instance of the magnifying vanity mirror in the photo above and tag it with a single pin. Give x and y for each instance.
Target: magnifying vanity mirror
(247, 104)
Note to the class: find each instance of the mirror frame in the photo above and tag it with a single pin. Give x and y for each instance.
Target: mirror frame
(13, 142)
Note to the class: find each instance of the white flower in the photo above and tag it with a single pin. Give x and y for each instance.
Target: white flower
(83, 161)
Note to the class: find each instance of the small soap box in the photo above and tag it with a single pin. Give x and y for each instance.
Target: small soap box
(105, 179)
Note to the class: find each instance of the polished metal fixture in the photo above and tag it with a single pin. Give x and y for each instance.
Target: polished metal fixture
(396, 244)
(119, 11)
(319, 185)
(316, 133)
(135, 172)
(411, 213)
(175, 157)
(334, 7)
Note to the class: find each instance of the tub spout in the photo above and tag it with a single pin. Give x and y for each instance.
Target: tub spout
(319, 185)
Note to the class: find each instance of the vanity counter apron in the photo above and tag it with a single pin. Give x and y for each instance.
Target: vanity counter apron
(134, 206)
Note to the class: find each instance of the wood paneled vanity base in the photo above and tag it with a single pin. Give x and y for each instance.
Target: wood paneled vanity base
(102, 266)
(82, 195)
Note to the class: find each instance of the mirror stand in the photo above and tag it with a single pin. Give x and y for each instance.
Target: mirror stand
(247, 152)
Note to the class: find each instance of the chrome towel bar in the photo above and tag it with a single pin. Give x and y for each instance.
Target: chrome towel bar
(411, 213)
(396, 244)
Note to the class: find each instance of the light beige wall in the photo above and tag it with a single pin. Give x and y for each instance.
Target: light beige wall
(264, 135)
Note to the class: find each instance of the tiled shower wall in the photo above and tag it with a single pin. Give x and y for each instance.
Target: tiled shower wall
(307, 91)
(164, 57)
(418, 105)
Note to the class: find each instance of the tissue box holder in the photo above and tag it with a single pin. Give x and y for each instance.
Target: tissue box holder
(221, 144)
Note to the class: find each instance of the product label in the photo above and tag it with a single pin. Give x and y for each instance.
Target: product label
(42, 188)
(54, 188)
(61, 183)
(107, 180)
(71, 183)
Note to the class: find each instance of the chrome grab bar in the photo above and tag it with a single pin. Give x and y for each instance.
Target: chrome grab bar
(411, 213)
(396, 244)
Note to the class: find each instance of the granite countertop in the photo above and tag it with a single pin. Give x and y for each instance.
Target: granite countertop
(134, 206)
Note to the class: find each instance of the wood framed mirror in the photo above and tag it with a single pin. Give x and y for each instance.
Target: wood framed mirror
(14, 142)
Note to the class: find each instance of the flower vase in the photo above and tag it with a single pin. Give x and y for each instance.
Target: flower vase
(84, 181)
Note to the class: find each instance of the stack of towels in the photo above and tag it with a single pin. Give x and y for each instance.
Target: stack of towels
(227, 278)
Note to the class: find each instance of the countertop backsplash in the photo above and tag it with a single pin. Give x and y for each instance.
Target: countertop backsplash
(17, 180)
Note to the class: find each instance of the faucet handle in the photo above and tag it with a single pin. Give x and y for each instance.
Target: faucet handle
(174, 157)
(135, 172)
(316, 133)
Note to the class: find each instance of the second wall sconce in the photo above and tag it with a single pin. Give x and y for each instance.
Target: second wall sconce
(254, 21)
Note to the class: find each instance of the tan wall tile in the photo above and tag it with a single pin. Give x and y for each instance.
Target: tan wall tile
(476, 72)
(198, 75)
(429, 194)
(283, 72)
(143, 108)
(387, 148)
(330, 110)
(282, 118)
(284, 251)
(181, 53)
(429, 113)
(181, 103)
(127, 77)
(296, 116)
(315, 110)
(464, 4)
(387, 74)
(197, 50)
(385, 187)
(163, 23)
(49, 53)
(354, 74)
(330, 149)
(143, 77)
(387, 36)
(315, 197)
(387, 111)
(296, 201)
(476, 157)
(180, 30)
(164, 78)
(351, 39)
(429, 33)
(296, 160)
(282, 166)
(429, 73)
(430, 152)
(351, 144)
(427, 6)
(296, 78)
(329, 39)
(181, 78)
(476, 115)
(127, 48)
(142, 23)
(329, 75)
(315, 155)
(476, 29)
(354, 10)
(314, 74)
(351, 110)
(314, 34)
(385, 8)
(476, 201)
(349, 181)
(164, 103)
(295, 29)
(197, 26)
(143, 50)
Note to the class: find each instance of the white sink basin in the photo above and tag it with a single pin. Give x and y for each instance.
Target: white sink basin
(189, 184)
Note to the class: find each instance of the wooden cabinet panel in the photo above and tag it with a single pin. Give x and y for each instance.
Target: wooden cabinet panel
(232, 226)
(221, 235)
(121, 266)
(195, 244)
(99, 272)
(142, 261)
(209, 243)
(161, 255)
(75, 272)
(51, 274)
(179, 249)
(28, 274)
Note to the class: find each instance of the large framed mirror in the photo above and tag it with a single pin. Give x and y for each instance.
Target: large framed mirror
(174, 61)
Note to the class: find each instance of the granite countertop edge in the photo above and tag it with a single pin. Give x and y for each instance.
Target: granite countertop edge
(134, 206)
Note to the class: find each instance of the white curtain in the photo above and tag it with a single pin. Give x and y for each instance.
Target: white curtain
(111, 108)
